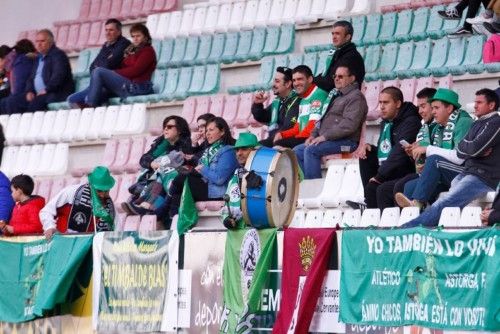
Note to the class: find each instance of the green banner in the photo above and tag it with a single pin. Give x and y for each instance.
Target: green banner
(133, 278)
(36, 276)
(249, 256)
(436, 279)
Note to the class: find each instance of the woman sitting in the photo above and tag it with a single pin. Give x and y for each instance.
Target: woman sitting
(160, 165)
(24, 55)
(134, 75)
(209, 179)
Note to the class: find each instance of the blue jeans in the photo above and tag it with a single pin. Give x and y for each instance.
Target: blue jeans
(116, 84)
(464, 189)
(309, 157)
(436, 175)
(78, 98)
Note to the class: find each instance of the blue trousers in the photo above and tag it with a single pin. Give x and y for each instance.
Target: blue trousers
(309, 157)
(464, 189)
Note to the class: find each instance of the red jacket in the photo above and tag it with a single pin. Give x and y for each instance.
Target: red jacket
(140, 66)
(25, 219)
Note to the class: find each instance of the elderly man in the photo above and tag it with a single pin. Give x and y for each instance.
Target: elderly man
(246, 143)
(282, 113)
(110, 56)
(344, 52)
(480, 150)
(81, 208)
(51, 79)
(339, 127)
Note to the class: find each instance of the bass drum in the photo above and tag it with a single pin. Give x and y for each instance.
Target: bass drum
(273, 203)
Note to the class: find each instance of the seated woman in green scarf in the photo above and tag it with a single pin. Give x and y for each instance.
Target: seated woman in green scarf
(159, 165)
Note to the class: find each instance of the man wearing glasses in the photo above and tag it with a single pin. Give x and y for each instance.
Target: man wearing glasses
(282, 113)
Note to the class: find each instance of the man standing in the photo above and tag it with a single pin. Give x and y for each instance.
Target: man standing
(345, 53)
(310, 109)
(81, 208)
(110, 56)
(246, 143)
(340, 126)
(480, 149)
(442, 164)
(51, 79)
(388, 160)
(282, 113)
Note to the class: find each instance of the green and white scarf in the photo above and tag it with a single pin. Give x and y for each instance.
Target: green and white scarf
(443, 136)
(384, 143)
(210, 152)
(424, 135)
(276, 106)
(328, 62)
(98, 209)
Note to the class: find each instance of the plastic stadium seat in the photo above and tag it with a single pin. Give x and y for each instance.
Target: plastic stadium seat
(92, 133)
(82, 64)
(263, 13)
(181, 92)
(470, 216)
(290, 12)
(84, 124)
(387, 62)
(244, 45)
(59, 163)
(205, 46)
(9, 158)
(211, 19)
(95, 7)
(452, 25)
(403, 62)
(47, 127)
(71, 125)
(249, 16)
(373, 24)
(73, 33)
(237, 14)
(455, 58)
(189, 109)
(152, 24)
(351, 218)
(168, 5)
(419, 26)
(334, 9)
(116, 7)
(361, 7)
(18, 138)
(217, 49)
(21, 161)
(437, 57)
(408, 214)
(314, 218)
(372, 94)
(110, 152)
(200, 13)
(162, 27)
(62, 36)
(30, 135)
(159, 79)
(212, 79)
(244, 111)
(126, 9)
(276, 12)
(178, 52)
(390, 217)
(272, 40)
(44, 188)
(230, 47)
(217, 103)
(329, 193)
(421, 59)
(418, 3)
(321, 63)
(224, 17)
(266, 73)
(84, 9)
(287, 39)
(304, 13)
(59, 126)
(370, 217)
(389, 83)
(197, 80)
(408, 86)
(372, 58)
(136, 151)
(446, 82)
(12, 128)
(136, 119)
(404, 24)
(186, 22)
(191, 51)
(120, 216)
(110, 118)
(122, 156)
(148, 223)
(423, 83)
(387, 9)
(202, 107)
(359, 25)
(259, 131)
(295, 59)
(4, 120)
(310, 60)
(351, 184)
(83, 36)
(435, 24)
(166, 53)
(230, 108)
(298, 219)
(170, 84)
(473, 56)
(174, 24)
(388, 27)
(332, 218)
(450, 217)
(132, 223)
(257, 44)
(58, 184)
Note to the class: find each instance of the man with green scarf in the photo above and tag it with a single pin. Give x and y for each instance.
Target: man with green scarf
(282, 112)
(232, 216)
(81, 208)
(441, 162)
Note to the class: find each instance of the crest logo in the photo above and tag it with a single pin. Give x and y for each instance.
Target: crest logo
(249, 255)
(385, 146)
(80, 218)
(307, 249)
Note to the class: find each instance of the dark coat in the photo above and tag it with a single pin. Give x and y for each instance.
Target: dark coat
(345, 55)
(6, 201)
(56, 76)
(287, 115)
(111, 56)
(405, 126)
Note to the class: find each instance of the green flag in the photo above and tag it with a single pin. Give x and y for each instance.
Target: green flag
(188, 215)
(249, 256)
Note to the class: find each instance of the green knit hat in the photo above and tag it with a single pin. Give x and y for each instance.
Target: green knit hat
(101, 179)
(246, 140)
(446, 95)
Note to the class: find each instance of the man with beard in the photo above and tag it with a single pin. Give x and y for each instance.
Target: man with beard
(81, 208)
(282, 113)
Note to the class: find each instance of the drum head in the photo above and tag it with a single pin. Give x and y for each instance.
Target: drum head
(283, 188)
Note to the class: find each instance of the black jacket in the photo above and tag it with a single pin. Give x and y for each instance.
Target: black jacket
(346, 55)
(483, 137)
(56, 75)
(111, 56)
(405, 126)
(495, 213)
(287, 115)
(147, 158)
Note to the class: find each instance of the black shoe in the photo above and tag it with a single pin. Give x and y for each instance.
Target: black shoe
(494, 27)
(449, 14)
(462, 32)
(356, 205)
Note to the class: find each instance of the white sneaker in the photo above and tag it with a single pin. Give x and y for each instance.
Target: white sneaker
(480, 19)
